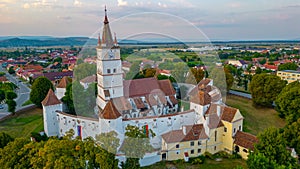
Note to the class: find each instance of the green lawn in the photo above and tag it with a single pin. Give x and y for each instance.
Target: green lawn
(255, 119)
(22, 125)
(208, 164)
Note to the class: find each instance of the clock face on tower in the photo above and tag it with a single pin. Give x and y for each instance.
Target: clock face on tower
(110, 55)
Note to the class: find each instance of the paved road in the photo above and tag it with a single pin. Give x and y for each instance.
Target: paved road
(240, 94)
(23, 91)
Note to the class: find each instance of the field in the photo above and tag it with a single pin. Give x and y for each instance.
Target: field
(208, 164)
(256, 119)
(22, 125)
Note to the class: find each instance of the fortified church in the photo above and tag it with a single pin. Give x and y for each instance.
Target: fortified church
(209, 125)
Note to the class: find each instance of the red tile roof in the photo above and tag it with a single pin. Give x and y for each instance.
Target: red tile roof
(245, 140)
(228, 113)
(89, 79)
(3, 79)
(146, 86)
(166, 87)
(193, 132)
(109, 111)
(50, 99)
(122, 103)
(64, 82)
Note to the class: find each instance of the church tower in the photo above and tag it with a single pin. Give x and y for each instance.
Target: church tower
(109, 67)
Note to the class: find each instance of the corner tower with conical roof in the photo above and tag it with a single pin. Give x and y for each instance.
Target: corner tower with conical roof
(51, 104)
(109, 67)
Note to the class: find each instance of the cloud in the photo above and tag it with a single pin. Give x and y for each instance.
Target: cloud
(234, 5)
(77, 3)
(162, 5)
(122, 3)
(26, 6)
(64, 17)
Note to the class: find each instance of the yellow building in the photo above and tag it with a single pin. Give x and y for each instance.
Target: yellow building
(244, 143)
(289, 75)
(219, 132)
(191, 141)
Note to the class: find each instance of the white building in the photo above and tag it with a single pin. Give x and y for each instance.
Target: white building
(141, 102)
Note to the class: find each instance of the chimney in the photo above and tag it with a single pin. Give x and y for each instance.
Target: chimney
(184, 130)
(219, 110)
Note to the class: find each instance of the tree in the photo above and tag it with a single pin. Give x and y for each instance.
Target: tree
(195, 75)
(287, 102)
(9, 155)
(134, 70)
(2, 95)
(68, 99)
(222, 79)
(84, 70)
(265, 88)
(135, 145)
(11, 105)
(291, 133)
(288, 66)
(11, 70)
(149, 72)
(39, 90)
(162, 77)
(80, 101)
(270, 149)
(4, 139)
(108, 141)
(259, 160)
(10, 95)
(258, 70)
(180, 71)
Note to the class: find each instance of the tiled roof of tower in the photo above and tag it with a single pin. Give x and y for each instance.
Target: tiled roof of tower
(109, 111)
(193, 132)
(50, 99)
(228, 113)
(201, 97)
(245, 140)
(63, 82)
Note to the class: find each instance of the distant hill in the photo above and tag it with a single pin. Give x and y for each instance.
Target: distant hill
(41, 41)
(44, 41)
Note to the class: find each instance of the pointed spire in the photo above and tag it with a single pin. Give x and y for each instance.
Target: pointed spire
(105, 18)
(107, 40)
(115, 40)
(99, 40)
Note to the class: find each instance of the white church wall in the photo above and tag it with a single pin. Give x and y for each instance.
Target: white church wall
(83, 127)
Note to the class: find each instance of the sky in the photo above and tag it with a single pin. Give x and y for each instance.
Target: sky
(177, 19)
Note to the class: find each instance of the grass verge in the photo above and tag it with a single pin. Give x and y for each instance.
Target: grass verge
(255, 119)
(208, 164)
(22, 125)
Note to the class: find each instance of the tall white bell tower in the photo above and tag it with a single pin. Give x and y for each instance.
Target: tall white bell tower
(109, 67)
